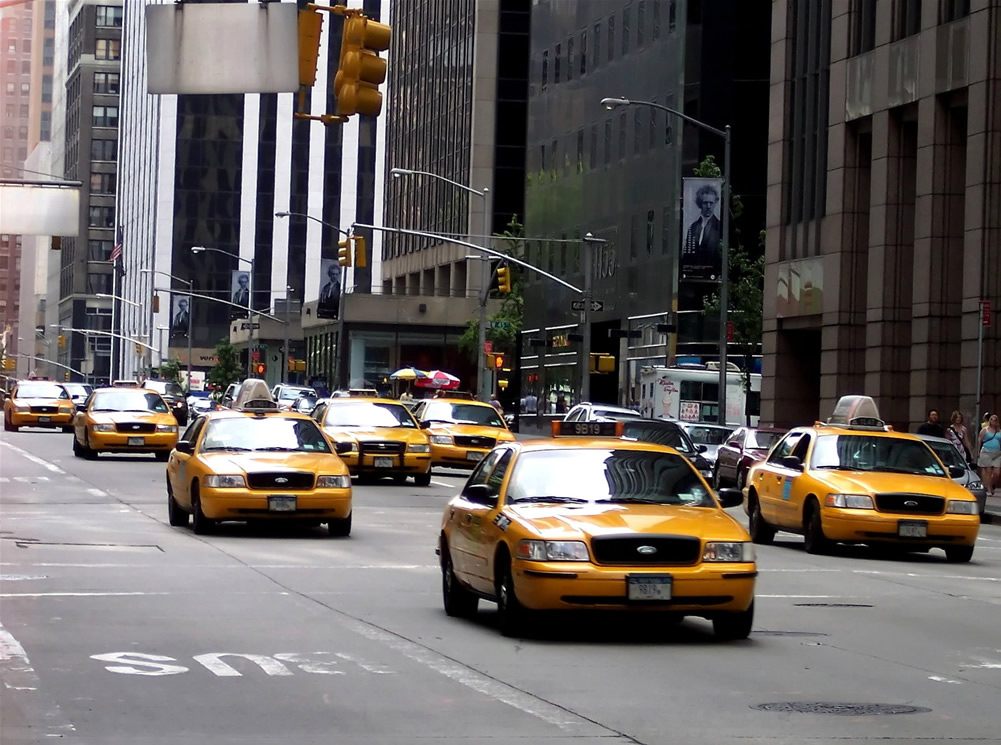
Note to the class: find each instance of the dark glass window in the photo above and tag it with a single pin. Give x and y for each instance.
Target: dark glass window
(593, 154)
(583, 52)
(103, 150)
(622, 135)
(672, 14)
(570, 58)
(556, 64)
(596, 56)
(102, 183)
(109, 16)
(625, 30)
(106, 82)
(953, 10)
(907, 18)
(105, 116)
(545, 69)
(611, 38)
(108, 49)
(608, 142)
(863, 37)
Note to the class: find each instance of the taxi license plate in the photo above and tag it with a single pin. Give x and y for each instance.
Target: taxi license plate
(137, 441)
(473, 455)
(44, 419)
(912, 529)
(281, 504)
(383, 462)
(647, 587)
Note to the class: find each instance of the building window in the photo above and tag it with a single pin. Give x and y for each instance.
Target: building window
(26, 67)
(103, 150)
(625, 30)
(102, 183)
(640, 23)
(98, 284)
(611, 38)
(102, 217)
(554, 153)
(108, 49)
(622, 136)
(953, 10)
(106, 82)
(672, 15)
(580, 151)
(592, 158)
(10, 89)
(26, 46)
(863, 37)
(25, 88)
(108, 16)
(608, 142)
(46, 89)
(596, 56)
(638, 130)
(105, 116)
(656, 20)
(545, 69)
(570, 58)
(556, 64)
(907, 18)
(583, 52)
(649, 231)
(99, 250)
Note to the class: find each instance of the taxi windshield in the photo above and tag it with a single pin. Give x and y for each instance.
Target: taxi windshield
(596, 476)
(367, 414)
(708, 435)
(40, 390)
(267, 433)
(870, 453)
(442, 411)
(124, 399)
(659, 433)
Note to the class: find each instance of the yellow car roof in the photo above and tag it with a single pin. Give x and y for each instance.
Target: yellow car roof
(838, 429)
(467, 401)
(270, 413)
(591, 443)
(363, 399)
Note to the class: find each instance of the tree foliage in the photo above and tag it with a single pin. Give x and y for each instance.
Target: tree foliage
(512, 306)
(227, 369)
(170, 370)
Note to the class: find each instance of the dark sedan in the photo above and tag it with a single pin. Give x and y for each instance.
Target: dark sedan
(173, 394)
(745, 447)
(662, 432)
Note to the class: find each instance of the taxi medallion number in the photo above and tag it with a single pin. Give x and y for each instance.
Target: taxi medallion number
(383, 462)
(281, 503)
(912, 529)
(137, 441)
(473, 455)
(649, 587)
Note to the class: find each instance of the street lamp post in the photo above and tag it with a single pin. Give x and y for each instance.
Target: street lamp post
(191, 309)
(587, 249)
(724, 300)
(250, 299)
(134, 304)
(485, 273)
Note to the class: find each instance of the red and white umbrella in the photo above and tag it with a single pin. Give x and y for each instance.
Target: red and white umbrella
(439, 379)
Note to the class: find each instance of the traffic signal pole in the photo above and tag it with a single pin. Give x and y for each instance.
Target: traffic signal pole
(485, 277)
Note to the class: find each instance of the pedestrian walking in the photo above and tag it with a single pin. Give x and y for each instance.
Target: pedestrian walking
(932, 426)
(959, 436)
(495, 402)
(989, 461)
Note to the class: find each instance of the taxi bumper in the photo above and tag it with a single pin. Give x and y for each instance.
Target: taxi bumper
(246, 504)
(866, 526)
(388, 465)
(455, 456)
(116, 442)
(699, 590)
(29, 419)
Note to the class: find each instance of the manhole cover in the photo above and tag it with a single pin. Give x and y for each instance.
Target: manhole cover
(831, 605)
(843, 710)
(763, 632)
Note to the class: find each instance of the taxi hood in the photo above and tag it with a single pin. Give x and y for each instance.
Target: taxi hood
(354, 434)
(32, 401)
(877, 482)
(223, 462)
(115, 417)
(564, 522)
(470, 430)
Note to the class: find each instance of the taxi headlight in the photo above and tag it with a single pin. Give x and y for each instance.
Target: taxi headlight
(975, 485)
(166, 428)
(962, 507)
(729, 551)
(849, 501)
(333, 482)
(419, 447)
(104, 427)
(441, 439)
(553, 551)
(22, 409)
(225, 481)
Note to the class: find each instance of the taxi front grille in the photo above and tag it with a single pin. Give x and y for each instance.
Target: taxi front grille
(44, 409)
(381, 447)
(464, 441)
(910, 504)
(135, 428)
(646, 550)
(281, 480)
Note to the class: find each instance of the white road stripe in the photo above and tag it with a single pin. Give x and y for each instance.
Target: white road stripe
(18, 673)
(34, 459)
(97, 492)
(447, 486)
(30, 479)
(117, 594)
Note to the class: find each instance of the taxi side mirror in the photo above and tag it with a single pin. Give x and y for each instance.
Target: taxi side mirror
(701, 448)
(480, 494)
(81, 407)
(184, 446)
(425, 425)
(730, 498)
(792, 461)
(956, 472)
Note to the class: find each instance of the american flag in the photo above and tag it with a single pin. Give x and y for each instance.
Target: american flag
(116, 251)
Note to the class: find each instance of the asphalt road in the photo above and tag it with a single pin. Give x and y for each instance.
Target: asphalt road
(117, 628)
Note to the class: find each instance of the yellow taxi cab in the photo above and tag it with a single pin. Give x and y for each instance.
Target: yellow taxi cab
(376, 437)
(590, 521)
(462, 432)
(38, 403)
(124, 420)
(254, 462)
(855, 480)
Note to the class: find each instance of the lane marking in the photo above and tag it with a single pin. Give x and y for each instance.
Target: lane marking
(213, 662)
(119, 594)
(34, 458)
(85, 565)
(30, 479)
(151, 664)
(97, 492)
(940, 679)
(447, 486)
(20, 577)
(19, 675)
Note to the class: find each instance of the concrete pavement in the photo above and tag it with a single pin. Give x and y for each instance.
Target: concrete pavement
(117, 628)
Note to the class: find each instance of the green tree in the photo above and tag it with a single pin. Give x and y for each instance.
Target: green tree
(170, 370)
(227, 369)
(512, 306)
(746, 274)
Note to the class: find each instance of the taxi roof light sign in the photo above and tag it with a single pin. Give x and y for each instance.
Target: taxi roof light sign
(857, 411)
(587, 429)
(254, 396)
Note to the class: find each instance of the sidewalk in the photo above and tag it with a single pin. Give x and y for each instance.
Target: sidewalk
(992, 514)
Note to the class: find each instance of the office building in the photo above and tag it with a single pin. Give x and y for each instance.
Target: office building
(616, 174)
(883, 235)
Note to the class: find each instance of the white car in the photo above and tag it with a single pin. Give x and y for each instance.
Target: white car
(588, 412)
(286, 395)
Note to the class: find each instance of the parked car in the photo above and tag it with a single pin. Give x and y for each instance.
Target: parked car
(948, 454)
(588, 412)
(745, 447)
(709, 435)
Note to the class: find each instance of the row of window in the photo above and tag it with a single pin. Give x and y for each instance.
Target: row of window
(108, 16)
(102, 183)
(106, 82)
(108, 49)
(11, 67)
(25, 46)
(105, 116)
(906, 20)
(576, 48)
(12, 88)
(10, 111)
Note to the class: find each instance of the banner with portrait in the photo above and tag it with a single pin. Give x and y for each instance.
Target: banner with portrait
(180, 310)
(239, 289)
(329, 302)
(701, 230)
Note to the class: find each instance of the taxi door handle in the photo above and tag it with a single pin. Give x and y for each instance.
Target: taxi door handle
(469, 518)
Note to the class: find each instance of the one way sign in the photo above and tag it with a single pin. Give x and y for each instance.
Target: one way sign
(579, 305)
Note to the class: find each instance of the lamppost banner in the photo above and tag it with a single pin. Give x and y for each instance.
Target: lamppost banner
(240, 287)
(330, 289)
(179, 310)
(700, 247)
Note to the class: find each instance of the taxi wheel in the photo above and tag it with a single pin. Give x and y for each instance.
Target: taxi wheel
(177, 517)
(734, 626)
(77, 450)
(741, 479)
(200, 524)
(340, 528)
(400, 478)
(761, 532)
(511, 612)
(959, 554)
(716, 481)
(8, 426)
(458, 601)
(422, 479)
(88, 452)
(813, 531)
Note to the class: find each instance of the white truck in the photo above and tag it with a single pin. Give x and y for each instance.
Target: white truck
(690, 393)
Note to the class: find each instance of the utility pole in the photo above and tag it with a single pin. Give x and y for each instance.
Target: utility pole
(486, 277)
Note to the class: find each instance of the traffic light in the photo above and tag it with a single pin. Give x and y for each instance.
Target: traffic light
(495, 266)
(504, 279)
(310, 26)
(602, 363)
(361, 257)
(139, 348)
(9, 363)
(156, 303)
(498, 361)
(66, 376)
(291, 364)
(62, 341)
(260, 368)
(344, 252)
(361, 71)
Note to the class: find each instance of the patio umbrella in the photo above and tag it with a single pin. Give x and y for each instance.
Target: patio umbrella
(440, 380)
(408, 373)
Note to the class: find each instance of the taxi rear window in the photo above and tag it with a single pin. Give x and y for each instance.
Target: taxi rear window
(596, 476)
(368, 414)
(40, 390)
(870, 453)
(659, 433)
